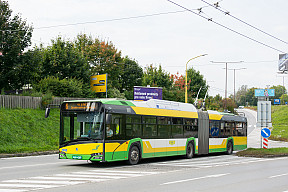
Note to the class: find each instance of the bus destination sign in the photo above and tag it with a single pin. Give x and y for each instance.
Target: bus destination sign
(81, 106)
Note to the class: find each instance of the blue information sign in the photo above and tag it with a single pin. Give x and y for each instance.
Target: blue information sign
(146, 93)
(265, 132)
(277, 101)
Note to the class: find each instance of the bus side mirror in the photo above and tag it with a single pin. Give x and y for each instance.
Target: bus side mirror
(47, 112)
(108, 118)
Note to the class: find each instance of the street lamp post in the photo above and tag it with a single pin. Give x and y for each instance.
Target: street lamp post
(186, 97)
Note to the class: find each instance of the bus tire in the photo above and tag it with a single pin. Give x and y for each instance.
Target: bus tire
(229, 148)
(189, 150)
(134, 155)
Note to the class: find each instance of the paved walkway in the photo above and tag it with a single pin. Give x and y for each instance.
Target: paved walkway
(254, 138)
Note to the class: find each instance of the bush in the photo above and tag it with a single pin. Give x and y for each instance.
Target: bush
(62, 88)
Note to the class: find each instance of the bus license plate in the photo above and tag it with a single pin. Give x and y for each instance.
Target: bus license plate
(76, 157)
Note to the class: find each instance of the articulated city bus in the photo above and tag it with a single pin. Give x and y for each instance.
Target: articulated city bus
(106, 130)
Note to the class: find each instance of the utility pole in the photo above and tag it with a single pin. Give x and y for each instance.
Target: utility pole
(226, 63)
(235, 79)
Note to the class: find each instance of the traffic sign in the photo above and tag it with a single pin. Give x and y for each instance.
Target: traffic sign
(265, 132)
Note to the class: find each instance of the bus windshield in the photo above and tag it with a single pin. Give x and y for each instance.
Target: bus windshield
(81, 126)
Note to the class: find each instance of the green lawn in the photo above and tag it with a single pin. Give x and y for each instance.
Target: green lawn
(272, 152)
(280, 123)
(27, 130)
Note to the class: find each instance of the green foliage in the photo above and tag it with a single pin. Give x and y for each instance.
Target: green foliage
(279, 91)
(15, 36)
(63, 60)
(250, 97)
(27, 130)
(115, 93)
(132, 74)
(196, 81)
(156, 77)
(60, 88)
(47, 99)
(284, 98)
(102, 57)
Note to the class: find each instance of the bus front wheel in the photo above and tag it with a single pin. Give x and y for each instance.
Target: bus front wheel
(189, 151)
(134, 155)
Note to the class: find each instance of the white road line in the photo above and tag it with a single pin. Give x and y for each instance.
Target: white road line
(285, 174)
(69, 178)
(90, 176)
(13, 190)
(185, 180)
(28, 185)
(34, 165)
(103, 173)
(112, 171)
(42, 182)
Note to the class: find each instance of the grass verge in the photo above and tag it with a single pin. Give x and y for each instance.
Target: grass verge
(280, 123)
(272, 152)
(27, 130)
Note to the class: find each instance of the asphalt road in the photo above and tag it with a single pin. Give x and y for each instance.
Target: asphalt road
(202, 173)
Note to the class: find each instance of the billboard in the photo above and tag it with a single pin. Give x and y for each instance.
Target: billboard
(283, 62)
(99, 83)
(146, 93)
(264, 92)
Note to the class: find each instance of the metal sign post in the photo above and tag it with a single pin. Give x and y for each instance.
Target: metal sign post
(264, 113)
(265, 133)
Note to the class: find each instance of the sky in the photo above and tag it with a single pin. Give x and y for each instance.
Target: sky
(159, 32)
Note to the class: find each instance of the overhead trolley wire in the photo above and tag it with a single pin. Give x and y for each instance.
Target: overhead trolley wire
(210, 19)
(216, 6)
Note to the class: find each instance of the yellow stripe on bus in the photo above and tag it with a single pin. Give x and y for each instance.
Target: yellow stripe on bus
(164, 112)
(215, 117)
(240, 140)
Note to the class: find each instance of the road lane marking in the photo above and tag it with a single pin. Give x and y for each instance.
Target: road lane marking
(69, 179)
(38, 186)
(30, 181)
(13, 190)
(119, 171)
(113, 174)
(197, 178)
(23, 166)
(285, 174)
(90, 176)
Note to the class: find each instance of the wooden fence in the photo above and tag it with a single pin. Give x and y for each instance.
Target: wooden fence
(12, 101)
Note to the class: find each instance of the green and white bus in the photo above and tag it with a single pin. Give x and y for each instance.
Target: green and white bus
(106, 130)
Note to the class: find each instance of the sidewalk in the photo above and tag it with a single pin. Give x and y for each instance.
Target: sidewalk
(254, 138)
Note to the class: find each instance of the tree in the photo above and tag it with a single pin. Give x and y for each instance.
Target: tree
(250, 97)
(156, 77)
(279, 91)
(102, 57)
(63, 60)
(241, 95)
(196, 81)
(15, 36)
(132, 74)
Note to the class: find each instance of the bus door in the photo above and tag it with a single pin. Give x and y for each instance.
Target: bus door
(203, 132)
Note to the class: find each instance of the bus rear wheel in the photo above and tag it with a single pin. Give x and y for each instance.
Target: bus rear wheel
(189, 151)
(229, 148)
(134, 155)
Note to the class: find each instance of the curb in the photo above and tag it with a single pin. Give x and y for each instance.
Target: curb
(28, 154)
